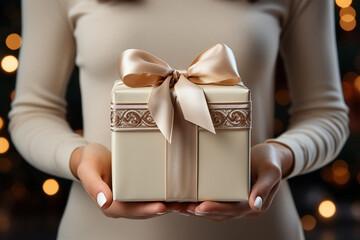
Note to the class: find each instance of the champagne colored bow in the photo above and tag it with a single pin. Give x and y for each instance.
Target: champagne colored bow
(215, 66)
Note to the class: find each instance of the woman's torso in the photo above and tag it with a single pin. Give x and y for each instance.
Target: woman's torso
(175, 31)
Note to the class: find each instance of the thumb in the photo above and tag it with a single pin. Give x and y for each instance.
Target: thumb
(265, 188)
(96, 184)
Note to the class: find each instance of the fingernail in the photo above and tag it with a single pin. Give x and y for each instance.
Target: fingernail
(258, 202)
(101, 199)
(190, 211)
(184, 214)
(201, 213)
(161, 213)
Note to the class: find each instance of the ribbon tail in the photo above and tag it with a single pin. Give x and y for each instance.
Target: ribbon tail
(193, 104)
(161, 108)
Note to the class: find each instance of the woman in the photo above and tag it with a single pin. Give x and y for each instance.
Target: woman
(92, 34)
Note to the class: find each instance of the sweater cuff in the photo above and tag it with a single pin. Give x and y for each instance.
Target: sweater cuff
(294, 146)
(62, 157)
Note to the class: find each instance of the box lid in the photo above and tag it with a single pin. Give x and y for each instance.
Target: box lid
(214, 93)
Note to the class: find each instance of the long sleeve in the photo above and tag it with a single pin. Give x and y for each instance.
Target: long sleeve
(319, 120)
(38, 125)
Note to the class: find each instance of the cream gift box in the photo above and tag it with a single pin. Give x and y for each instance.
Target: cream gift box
(197, 165)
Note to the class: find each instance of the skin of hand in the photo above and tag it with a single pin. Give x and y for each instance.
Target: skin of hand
(91, 164)
(270, 163)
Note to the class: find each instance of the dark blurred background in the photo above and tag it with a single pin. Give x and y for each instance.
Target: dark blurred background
(328, 200)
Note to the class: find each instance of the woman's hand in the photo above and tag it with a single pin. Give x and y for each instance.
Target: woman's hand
(91, 165)
(270, 163)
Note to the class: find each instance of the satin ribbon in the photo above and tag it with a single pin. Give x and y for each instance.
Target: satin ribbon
(215, 66)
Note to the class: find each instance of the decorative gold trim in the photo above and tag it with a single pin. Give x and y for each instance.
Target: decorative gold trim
(231, 116)
(132, 117)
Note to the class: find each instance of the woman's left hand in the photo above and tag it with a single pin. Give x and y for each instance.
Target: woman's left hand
(270, 163)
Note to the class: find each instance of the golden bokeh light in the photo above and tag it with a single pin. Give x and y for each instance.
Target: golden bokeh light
(282, 97)
(1, 123)
(50, 187)
(12, 95)
(327, 209)
(79, 131)
(349, 77)
(347, 18)
(9, 63)
(347, 90)
(340, 170)
(341, 179)
(347, 26)
(357, 84)
(13, 41)
(326, 174)
(348, 10)
(340, 167)
(4, 223)
(5, 165)
(19, 191)
(308, 222)
(4, 145)
(343, 3)
(327, 235)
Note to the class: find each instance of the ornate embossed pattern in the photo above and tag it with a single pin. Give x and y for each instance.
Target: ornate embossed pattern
(131, 117)
(137, 117)
(231, 116)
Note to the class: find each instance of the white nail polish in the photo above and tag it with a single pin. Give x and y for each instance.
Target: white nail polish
(258, 202)
(101, 199)
(200, 213)
(161, 213)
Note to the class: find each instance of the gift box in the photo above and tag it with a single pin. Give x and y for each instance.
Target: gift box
(180, 135)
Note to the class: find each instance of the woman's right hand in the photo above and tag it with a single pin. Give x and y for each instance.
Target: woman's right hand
(91, 164)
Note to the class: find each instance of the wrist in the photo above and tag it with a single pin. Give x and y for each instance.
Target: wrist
(285, 157)
(75, 160)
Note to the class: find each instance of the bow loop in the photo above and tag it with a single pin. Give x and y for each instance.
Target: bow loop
(138, 68)
(215, 66)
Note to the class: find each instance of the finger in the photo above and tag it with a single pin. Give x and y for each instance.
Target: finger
(191, 207)
(145, 208)
(219, 211)
(214, 217)
(92, 179)
(268, 178)
(222, 208)
(270, 197)
(114, 214)
(176, 206)
(219, 217)
(136, 210)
